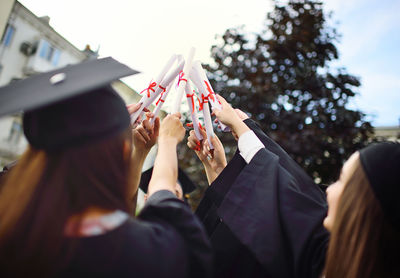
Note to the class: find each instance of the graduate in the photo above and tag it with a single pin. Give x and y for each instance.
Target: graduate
(364, 215)
(65, 207)
(262, 212)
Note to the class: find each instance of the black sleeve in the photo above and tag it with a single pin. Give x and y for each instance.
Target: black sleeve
(164, 207)
(272, 207)
(302, 178)
(269, 212)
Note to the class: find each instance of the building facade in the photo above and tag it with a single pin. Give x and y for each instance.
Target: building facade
(5, 10)
(29, 46)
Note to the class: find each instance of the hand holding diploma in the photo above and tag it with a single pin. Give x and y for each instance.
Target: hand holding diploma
(228, 116)
(199, 77)
(213, 161)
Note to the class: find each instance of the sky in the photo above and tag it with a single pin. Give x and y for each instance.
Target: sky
(144, 35)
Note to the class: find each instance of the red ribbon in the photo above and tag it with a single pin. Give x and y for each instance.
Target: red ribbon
(162, 93)
(160, 99)
(203, 100)
(210, 91)
(181, 74)
(163, 89)
(191, 97)
(150, 88)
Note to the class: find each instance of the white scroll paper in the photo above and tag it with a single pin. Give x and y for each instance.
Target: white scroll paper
(200, 79)
(190, 96)
(160, 102)
(148, 99)
(183, 80)
(206, 108)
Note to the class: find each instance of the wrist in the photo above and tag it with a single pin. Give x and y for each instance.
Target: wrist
(239, 128)
(140, 152)
(168, 140)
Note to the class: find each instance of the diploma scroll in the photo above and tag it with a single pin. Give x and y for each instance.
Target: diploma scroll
(204, 107)
(192, 108)
(200, 79)
(183, 78)
(160, 102)
(160, 89)
(152, 89)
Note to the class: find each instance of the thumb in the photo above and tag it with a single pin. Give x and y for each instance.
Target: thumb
(132, 108)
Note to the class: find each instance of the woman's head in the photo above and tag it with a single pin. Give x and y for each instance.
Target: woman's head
(348, 173)
(364, 237)
(80, 157)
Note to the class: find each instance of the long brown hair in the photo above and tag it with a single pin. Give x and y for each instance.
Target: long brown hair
(362, 244)
(45, 189)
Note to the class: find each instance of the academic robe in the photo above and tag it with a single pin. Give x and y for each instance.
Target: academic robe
(264, 219)
(167, 241)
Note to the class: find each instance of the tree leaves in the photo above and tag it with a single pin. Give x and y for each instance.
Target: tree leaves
(283, 79)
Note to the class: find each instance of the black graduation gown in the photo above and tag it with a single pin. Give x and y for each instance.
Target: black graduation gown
(265, 219)
(169, 241)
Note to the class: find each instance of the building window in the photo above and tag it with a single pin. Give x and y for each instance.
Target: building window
(56, 57)
(49, 53)
(8, 35)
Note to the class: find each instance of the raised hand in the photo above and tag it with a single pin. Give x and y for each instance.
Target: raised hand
(228, 116)
(146, 134)
(132, 108)
(172, 128)
(214, 161)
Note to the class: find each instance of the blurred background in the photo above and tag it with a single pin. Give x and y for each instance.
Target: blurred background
(320, 77)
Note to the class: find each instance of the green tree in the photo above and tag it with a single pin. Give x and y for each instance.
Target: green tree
(283, 79)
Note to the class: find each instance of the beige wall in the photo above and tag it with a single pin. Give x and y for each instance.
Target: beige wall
(5, 10)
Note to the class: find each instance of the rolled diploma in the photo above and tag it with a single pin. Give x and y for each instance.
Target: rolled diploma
(160, 77)
(193, 112)
(199, 76)
(160, 104)
(206, 107)
(208, 124)
(164, 83)
(186, 73)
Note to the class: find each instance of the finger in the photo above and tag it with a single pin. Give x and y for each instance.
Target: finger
(149, 115)
(147, 126)
(146, 109)
(177, 114)
(192, 145)
(156, 126)
(194, 142)
(193, 137)
(132, 108)
(143, 132)
(222, 100)
(138, 120)
(189, 125)
(216, 112)
(138, 136)
(203, 133)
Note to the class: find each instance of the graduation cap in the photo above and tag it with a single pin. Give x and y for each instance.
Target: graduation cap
(70, 106)
(184, 181)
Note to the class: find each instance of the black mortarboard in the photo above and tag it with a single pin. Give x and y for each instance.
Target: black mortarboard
(69, 106)
(185, 182)
(381, 163)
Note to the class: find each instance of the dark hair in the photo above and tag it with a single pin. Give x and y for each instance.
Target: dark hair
(363, 243)
(45, 189)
